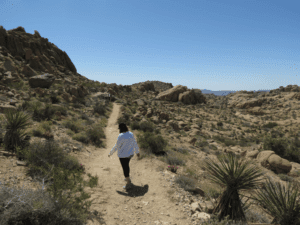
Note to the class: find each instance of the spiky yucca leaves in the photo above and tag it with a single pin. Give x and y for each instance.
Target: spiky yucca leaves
(280, 202)
(16, 123)
(234, 175)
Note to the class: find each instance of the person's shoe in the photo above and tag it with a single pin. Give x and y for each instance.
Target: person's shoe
(127, 186)
(129, 179)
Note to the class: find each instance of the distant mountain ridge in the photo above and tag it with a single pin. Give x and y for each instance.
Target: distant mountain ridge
(224, 93)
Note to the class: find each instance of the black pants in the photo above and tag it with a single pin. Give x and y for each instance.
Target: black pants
(125, 165)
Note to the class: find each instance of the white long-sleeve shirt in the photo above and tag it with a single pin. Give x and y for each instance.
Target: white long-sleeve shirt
(126, 145)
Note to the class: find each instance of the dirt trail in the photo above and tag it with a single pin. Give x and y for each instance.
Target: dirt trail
(145, 203)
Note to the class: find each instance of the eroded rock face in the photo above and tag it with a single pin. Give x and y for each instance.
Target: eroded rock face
(35, 50)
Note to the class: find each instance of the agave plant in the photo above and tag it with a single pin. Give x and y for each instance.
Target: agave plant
(235, 175)
(280, 202)
(16, 123)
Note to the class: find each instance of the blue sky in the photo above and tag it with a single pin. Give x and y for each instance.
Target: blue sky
(215, 45)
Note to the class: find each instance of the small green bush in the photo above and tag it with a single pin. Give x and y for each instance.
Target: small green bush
(275, 144)
(214, 193)
(82, 137)
(146, 126)
(174, 161)
(186, 183)
(95, 134)
(181, 150)
(76, 127)
(270, 125)
(135, 125)
(60, 172)
(201, 143)
(100, 109)
(213, 147)
(25, 105)
(37, 133)
(54, 99)
(220, 124)
(46, 113)
(155, 143)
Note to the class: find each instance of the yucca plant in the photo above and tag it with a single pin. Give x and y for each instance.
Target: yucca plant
(235, 175)
(280, 202)
(16, 123)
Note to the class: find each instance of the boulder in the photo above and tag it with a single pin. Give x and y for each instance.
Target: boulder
(279, 165)
(163, 116)
(42, 81)
(9, 65)
(7, 108)
(28, 71)
(263, 156)
(202, 216)
(207, 206)
(172, 124)
(193, 96)
(252, 154)
(171, 94)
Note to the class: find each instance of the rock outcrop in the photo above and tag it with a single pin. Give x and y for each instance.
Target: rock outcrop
(33, 50)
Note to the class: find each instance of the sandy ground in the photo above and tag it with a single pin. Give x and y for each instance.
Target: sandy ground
(145, 203)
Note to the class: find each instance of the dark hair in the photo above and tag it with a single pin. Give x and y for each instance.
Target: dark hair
(123, 128)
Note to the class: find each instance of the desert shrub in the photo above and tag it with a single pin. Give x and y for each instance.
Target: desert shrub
(95, 134)
(77, 105)
(292, 152)
(270, 125)
(174, 161)
(46, 125)
(46, 113)
(48, 163)
(85, 117)
(213, 147)
(20, 210)
(25, 105)
(278, 145)
(62, 110)
(226, 141)
(229, 142)
(81, 101)
(201, 143)
(213, 126)
(82, 137)
(146, 126)
(186, 183)
(74, 126)
(37, 132)
(181, 150)
(43, 153)
(254, 217)
(220, 124)
(155, 143)
(213, 193)
(100, 109)
(54, 99)
(135, 125)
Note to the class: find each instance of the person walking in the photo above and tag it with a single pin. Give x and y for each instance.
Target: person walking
(126, 146)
